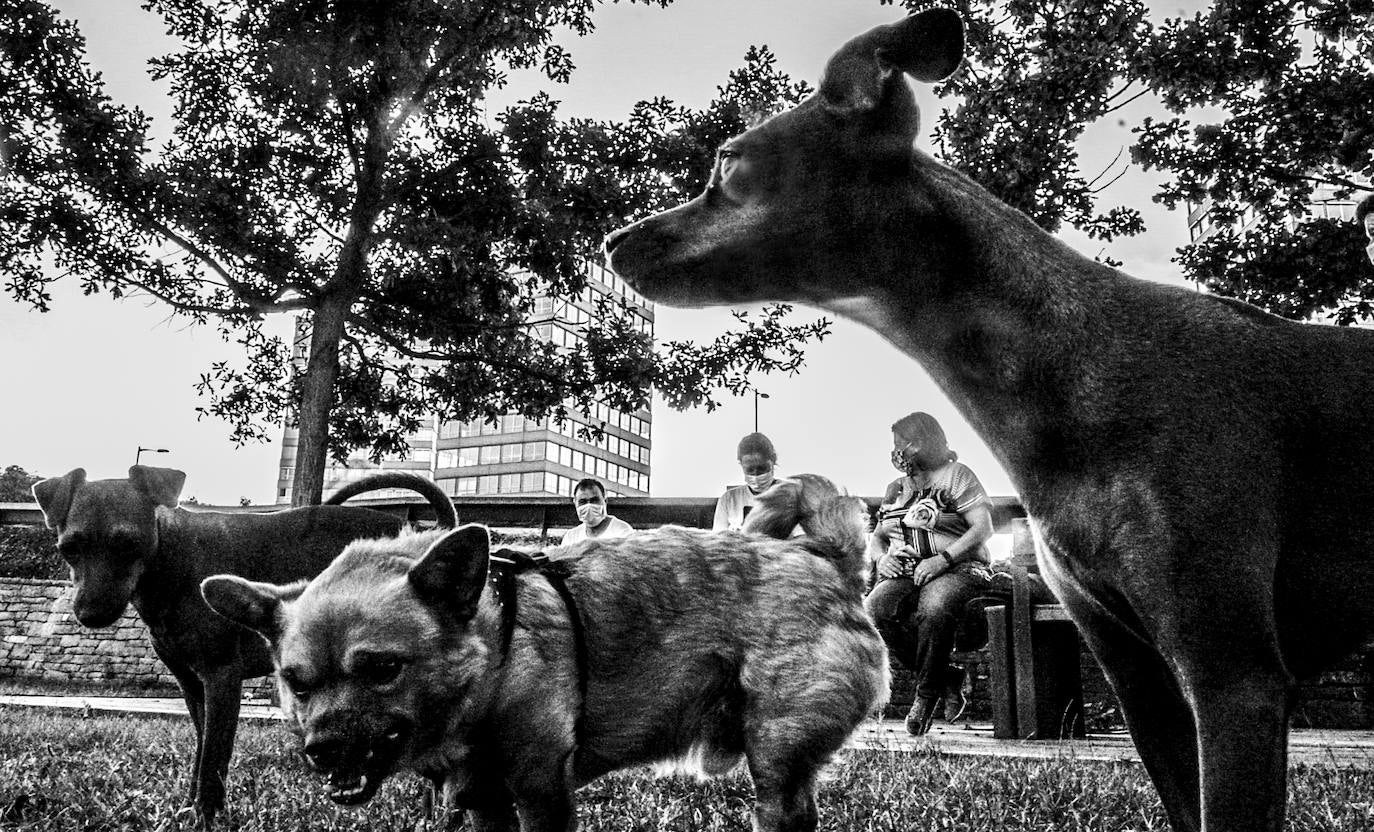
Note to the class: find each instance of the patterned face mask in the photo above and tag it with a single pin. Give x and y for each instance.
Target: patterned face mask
(904, 459)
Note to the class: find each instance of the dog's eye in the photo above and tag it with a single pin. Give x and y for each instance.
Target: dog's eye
(380, 671)
(298, 688)
(729, 163)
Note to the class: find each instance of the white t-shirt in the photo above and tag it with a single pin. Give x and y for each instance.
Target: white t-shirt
(578, 533)
(733, 507)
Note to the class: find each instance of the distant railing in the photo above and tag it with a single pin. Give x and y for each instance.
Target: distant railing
(542, 512)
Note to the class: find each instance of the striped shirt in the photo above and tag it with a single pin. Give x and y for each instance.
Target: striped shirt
(930, 519)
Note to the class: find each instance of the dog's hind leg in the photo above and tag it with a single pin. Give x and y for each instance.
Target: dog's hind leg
(798, 718)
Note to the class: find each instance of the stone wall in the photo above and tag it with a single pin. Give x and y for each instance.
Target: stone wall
(40, 640)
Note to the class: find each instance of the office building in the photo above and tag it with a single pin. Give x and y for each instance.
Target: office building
(516, 455)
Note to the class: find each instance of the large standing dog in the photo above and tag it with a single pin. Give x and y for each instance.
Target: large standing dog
(1199, 473)
(126, 541)
(672, 644)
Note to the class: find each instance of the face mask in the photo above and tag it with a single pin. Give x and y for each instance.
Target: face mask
(758, 482)
(1369, 250)
(591, 513)
(904, 460)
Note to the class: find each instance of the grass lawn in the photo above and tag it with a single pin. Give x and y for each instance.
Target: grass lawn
(62, 771)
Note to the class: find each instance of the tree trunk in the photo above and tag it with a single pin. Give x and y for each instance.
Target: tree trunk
(317, 400)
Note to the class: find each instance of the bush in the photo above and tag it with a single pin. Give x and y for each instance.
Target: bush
(30, 552)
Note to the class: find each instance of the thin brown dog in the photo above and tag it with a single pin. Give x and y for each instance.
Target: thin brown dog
(709, 648)
(1199, 473)
(126, 541)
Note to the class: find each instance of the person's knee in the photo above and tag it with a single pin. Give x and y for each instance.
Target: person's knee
(885, 602)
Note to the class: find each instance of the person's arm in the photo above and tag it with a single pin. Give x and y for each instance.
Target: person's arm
(722, 521)
(979, 519)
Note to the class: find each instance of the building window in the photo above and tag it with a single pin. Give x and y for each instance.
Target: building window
(288, 472)
(489, 455)
(450, 430)
(467, 457)
(421, 454)
(467, 486)
(510, 453)
(512, 423)
(447, 458)
(532, 482)
(486, 485)
(510, 483)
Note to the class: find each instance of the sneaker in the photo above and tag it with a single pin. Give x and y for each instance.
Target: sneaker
(920, 716)
(957, 693)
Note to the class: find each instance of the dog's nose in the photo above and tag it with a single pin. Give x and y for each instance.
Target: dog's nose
(615, 238)
(324, 754)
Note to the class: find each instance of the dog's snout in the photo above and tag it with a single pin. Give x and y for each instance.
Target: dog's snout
(616, 237)
(325, 753)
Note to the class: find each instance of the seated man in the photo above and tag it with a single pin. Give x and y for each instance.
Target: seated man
(589, 498)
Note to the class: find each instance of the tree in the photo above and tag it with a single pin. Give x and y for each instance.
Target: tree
(329, 158)
(1294, 82)
(1036, 73)
(16, 485)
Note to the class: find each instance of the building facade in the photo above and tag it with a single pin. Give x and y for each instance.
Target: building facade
(516, 455)
(1324, 203)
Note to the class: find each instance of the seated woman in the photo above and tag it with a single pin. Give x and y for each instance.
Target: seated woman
(931, 559)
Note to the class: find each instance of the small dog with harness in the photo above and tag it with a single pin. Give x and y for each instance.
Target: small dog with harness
(516, 679)
(127, 541)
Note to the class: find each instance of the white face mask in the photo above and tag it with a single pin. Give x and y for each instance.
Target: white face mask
(1369, 250)
(591, 513)
(758, 482)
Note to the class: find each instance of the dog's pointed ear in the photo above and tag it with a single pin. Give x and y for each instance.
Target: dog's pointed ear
(453, 572)
(54, 496)
(928, 46)
(254, 605)
(161, 485)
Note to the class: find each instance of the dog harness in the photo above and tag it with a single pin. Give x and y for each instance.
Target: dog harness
(505, 566)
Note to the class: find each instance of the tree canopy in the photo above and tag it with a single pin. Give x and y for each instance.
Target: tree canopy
(1293, 83)
(331, 158)
(1036, 74)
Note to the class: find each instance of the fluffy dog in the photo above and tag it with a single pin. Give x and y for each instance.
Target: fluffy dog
(126, 541)
(519, 679)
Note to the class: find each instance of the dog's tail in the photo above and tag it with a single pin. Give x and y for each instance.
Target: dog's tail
(834, 523)
(446, 517)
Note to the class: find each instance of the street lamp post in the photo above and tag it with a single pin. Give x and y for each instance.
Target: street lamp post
(757, 396)
(141, 449)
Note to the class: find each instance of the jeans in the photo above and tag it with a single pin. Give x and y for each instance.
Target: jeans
(918, 623)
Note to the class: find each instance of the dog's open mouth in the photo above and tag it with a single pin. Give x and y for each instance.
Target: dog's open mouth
(354, 781)
(353, 790)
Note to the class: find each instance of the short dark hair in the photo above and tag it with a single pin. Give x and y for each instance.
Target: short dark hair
(757, 443)
(589, 482)
(1363, 208)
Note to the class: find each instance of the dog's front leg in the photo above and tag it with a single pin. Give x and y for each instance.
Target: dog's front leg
(193, 693)
(549, 812)
(1156, 712)
(223, 687)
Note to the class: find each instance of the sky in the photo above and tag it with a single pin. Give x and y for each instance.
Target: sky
(88, 383)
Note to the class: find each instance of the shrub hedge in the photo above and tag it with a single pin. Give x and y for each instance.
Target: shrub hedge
(30, 552)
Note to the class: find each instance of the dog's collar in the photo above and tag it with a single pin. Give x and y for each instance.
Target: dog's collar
(505, 565)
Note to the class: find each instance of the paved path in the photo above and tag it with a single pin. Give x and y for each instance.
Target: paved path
(1309, 746)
